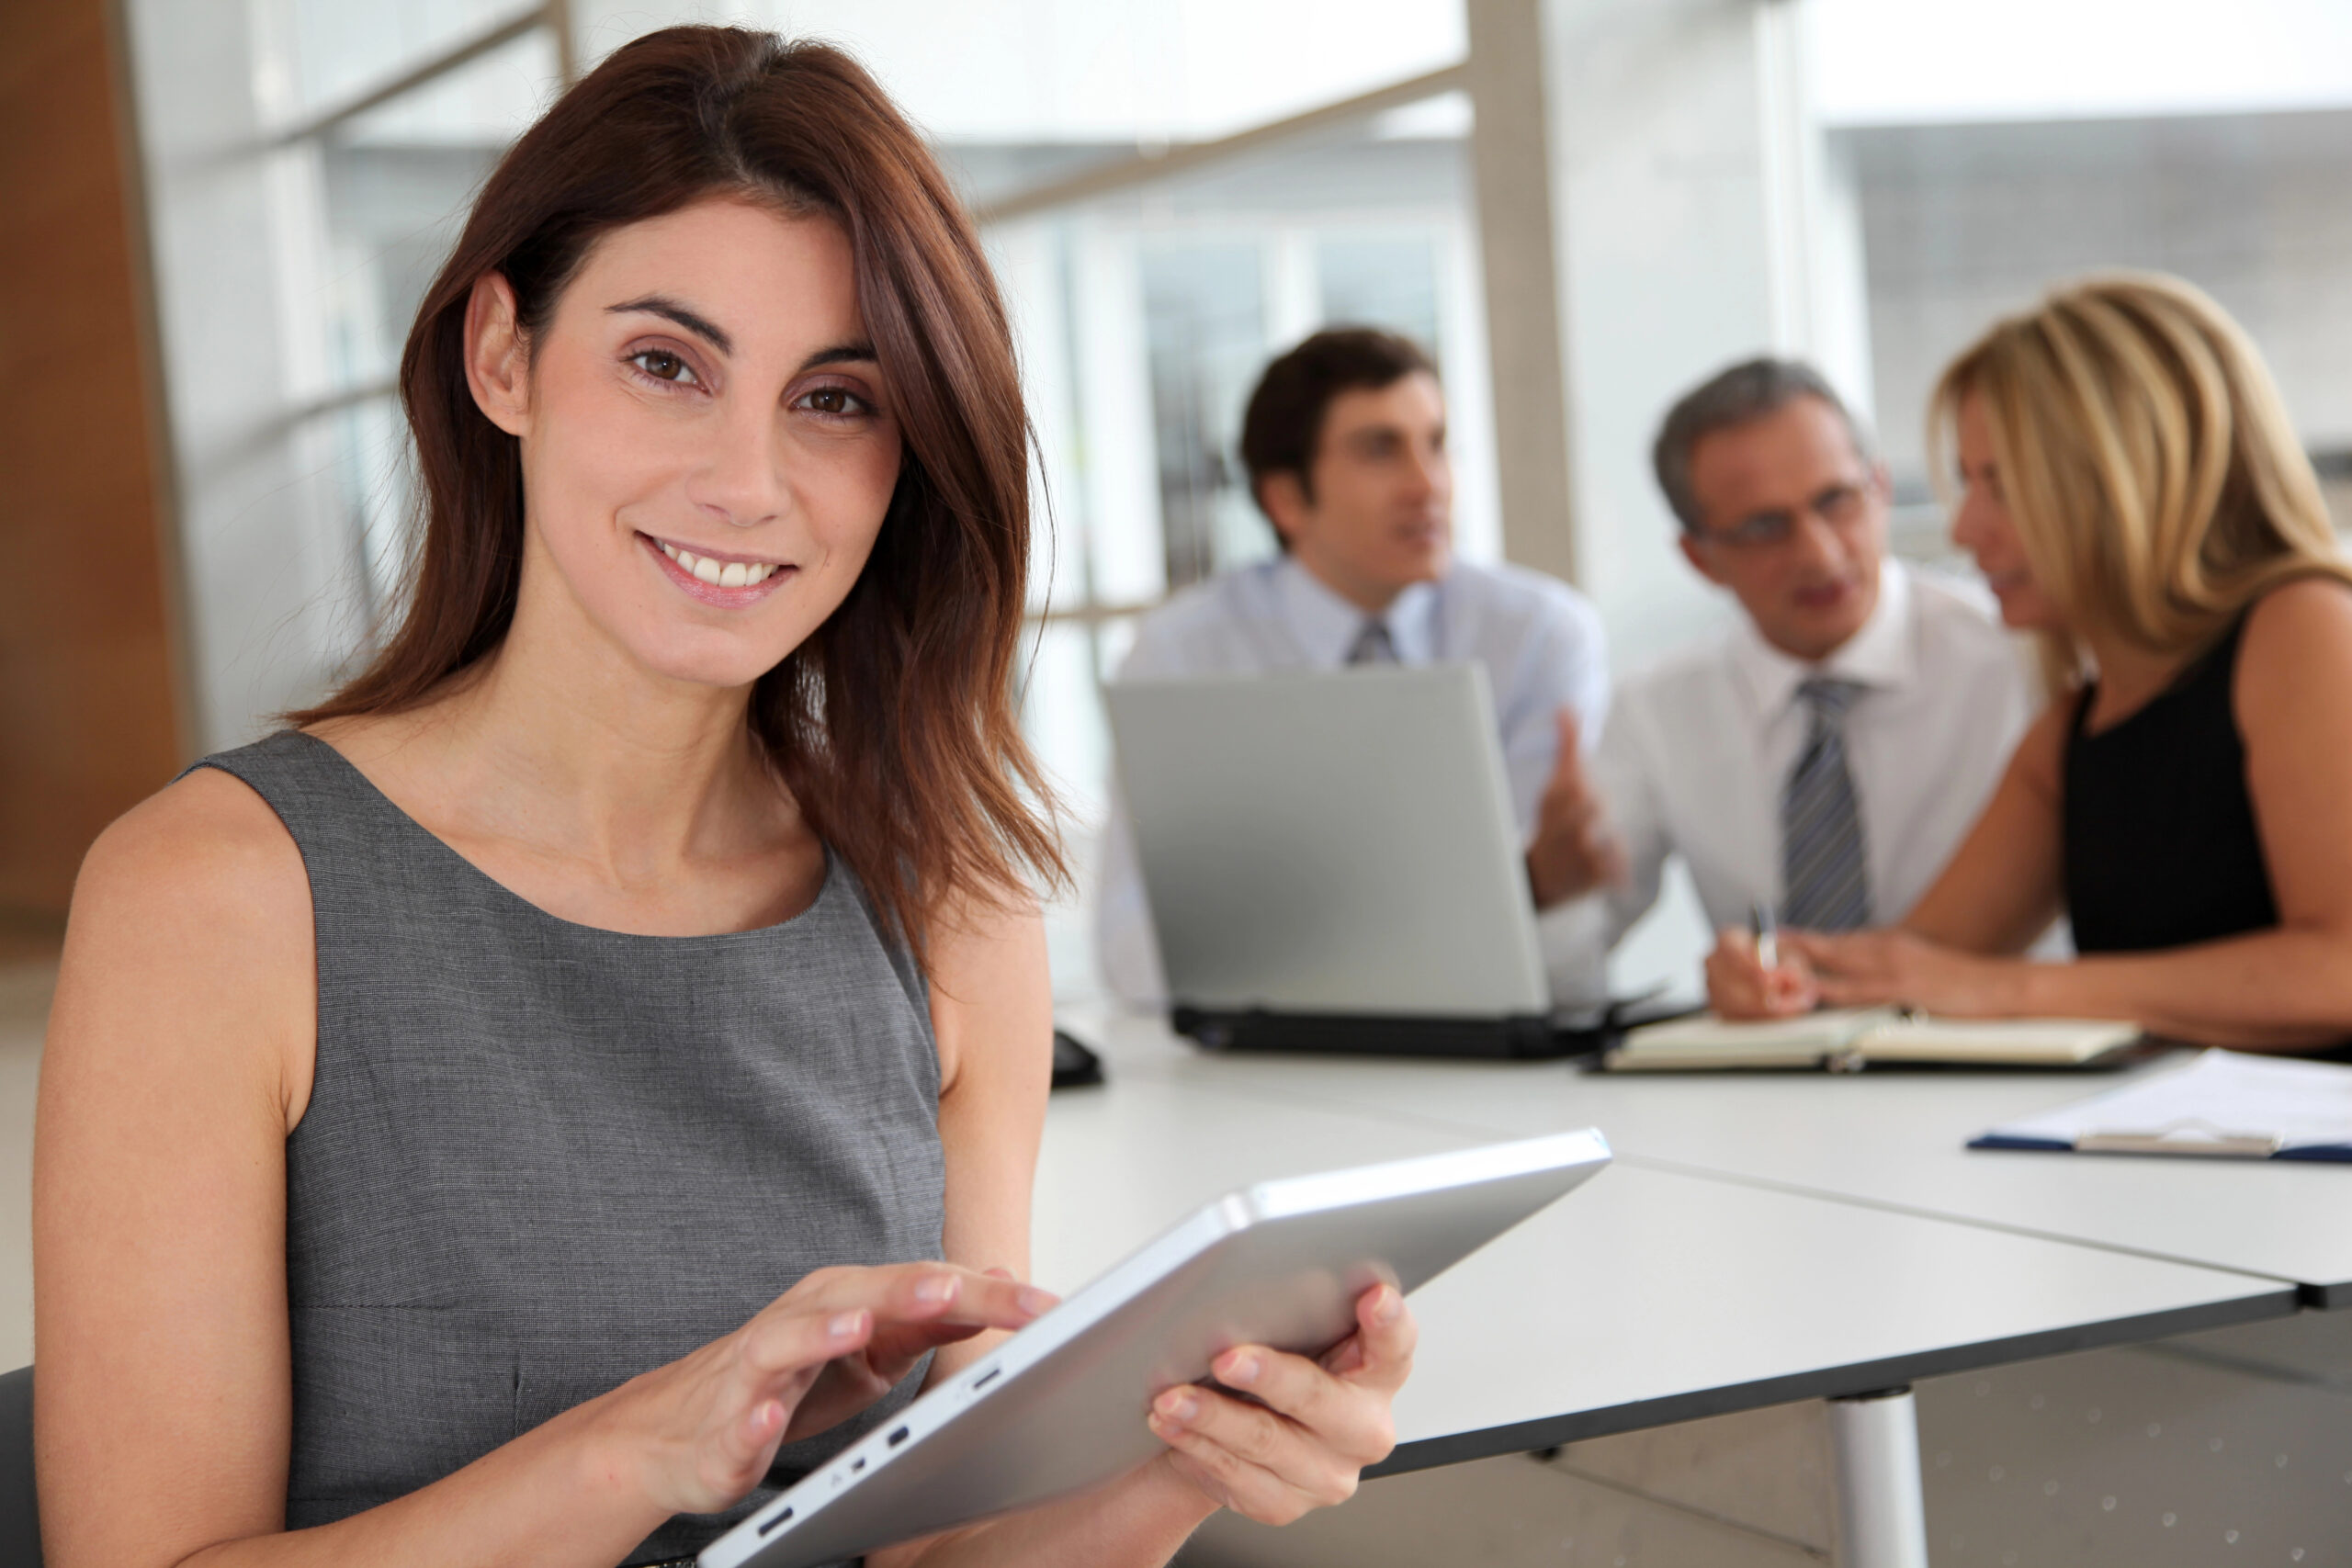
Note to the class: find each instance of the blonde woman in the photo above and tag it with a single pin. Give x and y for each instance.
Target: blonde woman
(2134, 495)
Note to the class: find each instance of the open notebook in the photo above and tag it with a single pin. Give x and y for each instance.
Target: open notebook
(1847, 1039)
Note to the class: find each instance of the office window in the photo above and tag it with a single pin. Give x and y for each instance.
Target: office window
(1384, 280)
(1205, 326)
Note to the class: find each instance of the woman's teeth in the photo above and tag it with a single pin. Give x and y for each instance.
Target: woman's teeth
(730, 574)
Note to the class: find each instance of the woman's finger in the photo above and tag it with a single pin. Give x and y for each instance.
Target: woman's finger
(1848, 955)
(776, 1345)
(1259, 1464)
(747, 1445)
(1250, 1432)
(1384, 1326)
(1348, 1420)
(923, 1293)
(1858, 992)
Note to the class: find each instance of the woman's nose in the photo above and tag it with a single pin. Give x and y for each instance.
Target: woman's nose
(742, 475)
(1965, 533)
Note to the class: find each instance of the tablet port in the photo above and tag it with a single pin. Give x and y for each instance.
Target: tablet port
(985, 1379)
(858, 1466)
(898, 1437)
(783, 1518)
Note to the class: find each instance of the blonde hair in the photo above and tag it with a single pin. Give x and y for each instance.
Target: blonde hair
(2145, 454)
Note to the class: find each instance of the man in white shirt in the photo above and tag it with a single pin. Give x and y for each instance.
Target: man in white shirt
(1824, 758)
(1344, 442)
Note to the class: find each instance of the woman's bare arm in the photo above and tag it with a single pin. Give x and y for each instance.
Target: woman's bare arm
(174, 1064)
(178, 1057)
(993, 1010)
(2005, 883)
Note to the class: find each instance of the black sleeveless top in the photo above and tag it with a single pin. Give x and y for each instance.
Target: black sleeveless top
(2161, 847)
(541, 1158)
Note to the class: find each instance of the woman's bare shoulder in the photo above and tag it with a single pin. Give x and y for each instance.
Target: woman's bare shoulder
(197, 894)
(190, 957)
(2295, 658)
(2295, 620)
(206, 837)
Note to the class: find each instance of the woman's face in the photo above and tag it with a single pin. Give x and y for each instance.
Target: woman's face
(708, 442)
(1984, 528)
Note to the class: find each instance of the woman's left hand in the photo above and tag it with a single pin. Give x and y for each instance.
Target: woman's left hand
(1883, 968)
(1309, 1427)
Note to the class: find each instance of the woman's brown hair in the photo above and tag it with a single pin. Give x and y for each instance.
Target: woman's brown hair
(893, 724)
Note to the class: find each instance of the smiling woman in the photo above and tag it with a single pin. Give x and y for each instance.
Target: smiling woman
(630, 156)
(440, 1092)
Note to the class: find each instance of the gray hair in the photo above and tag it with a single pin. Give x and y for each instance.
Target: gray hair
(1746, 391)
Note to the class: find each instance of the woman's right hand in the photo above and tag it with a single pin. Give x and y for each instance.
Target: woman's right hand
(699, 1433)
(1739, 986)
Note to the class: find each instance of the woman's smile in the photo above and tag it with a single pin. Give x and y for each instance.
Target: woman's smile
(715, 577)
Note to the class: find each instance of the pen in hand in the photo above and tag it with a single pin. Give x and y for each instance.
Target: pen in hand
(1767, 936)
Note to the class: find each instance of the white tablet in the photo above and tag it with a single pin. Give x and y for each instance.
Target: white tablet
(1059, 1406)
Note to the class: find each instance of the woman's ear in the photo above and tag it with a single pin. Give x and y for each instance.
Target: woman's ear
(498, 362)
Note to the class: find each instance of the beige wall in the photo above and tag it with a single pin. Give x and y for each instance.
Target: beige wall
(87, 724)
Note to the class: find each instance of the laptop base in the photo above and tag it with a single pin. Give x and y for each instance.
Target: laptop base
(1518, 1038)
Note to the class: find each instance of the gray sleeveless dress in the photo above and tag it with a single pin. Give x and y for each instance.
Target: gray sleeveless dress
(541, 1158)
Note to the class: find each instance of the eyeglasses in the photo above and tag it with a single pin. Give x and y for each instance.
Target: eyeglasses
(1840, 506)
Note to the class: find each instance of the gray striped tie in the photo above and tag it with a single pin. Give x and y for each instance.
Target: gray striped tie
(1825, 867)
(1372, 645)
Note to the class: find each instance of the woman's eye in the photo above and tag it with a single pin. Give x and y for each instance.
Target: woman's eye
(663, 366)
(838, 401)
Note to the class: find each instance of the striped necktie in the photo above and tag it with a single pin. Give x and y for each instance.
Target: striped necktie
(1825, 867)
(1372, 645)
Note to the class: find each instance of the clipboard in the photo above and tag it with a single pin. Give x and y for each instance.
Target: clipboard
(2223, 1105)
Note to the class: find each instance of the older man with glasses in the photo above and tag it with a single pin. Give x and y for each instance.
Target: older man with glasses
(1822, 760)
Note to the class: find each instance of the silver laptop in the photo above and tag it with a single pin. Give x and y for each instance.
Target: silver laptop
(1060, 1407)
(1332, 862)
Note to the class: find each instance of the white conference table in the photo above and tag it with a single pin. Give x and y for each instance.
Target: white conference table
(1650, 1296)
(1893, 1140)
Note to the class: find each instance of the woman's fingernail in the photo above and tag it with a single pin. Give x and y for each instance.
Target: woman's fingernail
(1178, 1406)
(1387, 1308)
(1035, 1301)
(843, 1325)
(938, 1288)
(1241, 1372)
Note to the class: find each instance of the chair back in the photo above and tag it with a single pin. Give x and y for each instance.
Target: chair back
(19, 1510)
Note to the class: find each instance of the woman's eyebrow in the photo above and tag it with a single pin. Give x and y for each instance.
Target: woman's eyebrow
(840, 354)
(670, 310)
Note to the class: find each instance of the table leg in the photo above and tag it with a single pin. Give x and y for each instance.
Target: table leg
(1881, 1512)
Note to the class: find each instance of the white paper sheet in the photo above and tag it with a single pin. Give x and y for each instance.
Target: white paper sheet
(2224, 1097)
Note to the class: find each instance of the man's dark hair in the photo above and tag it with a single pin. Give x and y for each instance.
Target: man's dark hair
(1746, 392)
(1284, 420)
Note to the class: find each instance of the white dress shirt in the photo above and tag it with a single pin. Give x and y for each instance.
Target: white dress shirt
(1539, 639)
(1698, 747)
